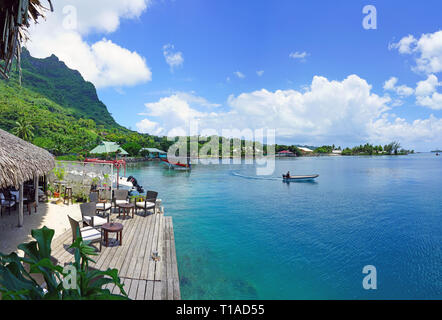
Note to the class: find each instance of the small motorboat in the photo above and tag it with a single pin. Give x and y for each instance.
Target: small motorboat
(177, 165)
(131, 183)
(286, 178)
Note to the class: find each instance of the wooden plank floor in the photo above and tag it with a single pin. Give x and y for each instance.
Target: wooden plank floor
(143, 278)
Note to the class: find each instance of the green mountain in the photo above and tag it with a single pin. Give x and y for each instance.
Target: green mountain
(53, 79)
(63, 110)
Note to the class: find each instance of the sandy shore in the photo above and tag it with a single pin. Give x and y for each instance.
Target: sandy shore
(51, 215)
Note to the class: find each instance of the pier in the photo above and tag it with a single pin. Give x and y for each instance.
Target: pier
(142, 276)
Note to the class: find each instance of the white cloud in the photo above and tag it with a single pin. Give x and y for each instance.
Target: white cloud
(104, 62)
(390, 83)
(193, 99)
(426, 94)
(345, 112)
(260, 73)
(298, 55)
(402, 90)
(239, 74)
(427, 87)
(421, 133)
(150, 127)
(173, 58)
(405, 46)
(427, 51)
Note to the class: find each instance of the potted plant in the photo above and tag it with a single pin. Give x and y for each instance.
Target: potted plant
(106, 178)
(94, 183)
(59, 173)
(81, 196)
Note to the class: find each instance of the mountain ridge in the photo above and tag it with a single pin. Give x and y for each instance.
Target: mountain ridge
(52, 78)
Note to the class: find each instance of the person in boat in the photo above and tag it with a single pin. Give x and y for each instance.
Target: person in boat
(287, 175)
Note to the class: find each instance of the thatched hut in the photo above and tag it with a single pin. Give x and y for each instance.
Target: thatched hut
(21, 161)
(15, 18)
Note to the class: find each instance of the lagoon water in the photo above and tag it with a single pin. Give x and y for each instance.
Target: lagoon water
(240, 236)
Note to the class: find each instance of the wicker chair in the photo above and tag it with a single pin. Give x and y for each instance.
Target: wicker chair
(102, 207)
(149, 202)
(7, 200)
(87, 234)
(29, 200)
(89, 214)
(120, 196)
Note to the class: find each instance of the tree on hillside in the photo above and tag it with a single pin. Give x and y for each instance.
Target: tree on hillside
(23, 130)
(132, 148)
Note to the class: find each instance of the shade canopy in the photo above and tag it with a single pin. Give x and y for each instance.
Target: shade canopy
(21, 161)
(108, 147)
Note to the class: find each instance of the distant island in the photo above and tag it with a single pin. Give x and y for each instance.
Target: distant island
(438, 150)
(393, 148)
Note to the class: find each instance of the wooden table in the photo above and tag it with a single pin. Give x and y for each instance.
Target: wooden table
(126, 208)
(113, 228)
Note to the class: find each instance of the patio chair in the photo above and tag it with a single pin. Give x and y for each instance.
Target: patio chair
(87, 234)
(29, 200)
(149, 202)
(120, 196)
(102, 207)
(90, 217)
(7, 200)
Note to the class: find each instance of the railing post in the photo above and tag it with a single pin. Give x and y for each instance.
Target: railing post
(36, 190)
(20, 206)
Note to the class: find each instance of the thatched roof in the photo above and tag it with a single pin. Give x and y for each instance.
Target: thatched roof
(15, 18)
(20, 161)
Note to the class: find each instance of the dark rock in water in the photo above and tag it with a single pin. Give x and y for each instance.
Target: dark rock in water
(245, 289)
(184, 281)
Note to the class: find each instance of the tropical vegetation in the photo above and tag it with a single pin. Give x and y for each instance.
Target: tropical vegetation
(18, 274)
(393, 148)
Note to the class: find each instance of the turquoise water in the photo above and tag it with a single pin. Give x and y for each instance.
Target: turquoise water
(239, 236)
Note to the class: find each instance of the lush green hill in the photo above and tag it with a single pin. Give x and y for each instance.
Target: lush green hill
(55, 128)
(66, 87)
(64, 110)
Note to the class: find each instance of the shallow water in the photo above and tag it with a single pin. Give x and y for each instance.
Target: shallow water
(239, 236)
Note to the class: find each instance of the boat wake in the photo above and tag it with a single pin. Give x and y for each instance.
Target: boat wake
(255, 177)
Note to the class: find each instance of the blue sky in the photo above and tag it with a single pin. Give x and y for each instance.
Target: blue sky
(213, 39)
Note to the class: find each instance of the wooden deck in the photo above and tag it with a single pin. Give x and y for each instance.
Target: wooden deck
(143, 278)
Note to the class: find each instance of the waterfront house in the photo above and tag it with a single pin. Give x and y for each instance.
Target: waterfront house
(285, 153)
(154, 153)
(109, 147)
